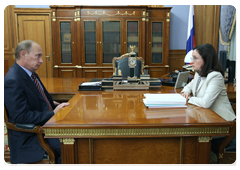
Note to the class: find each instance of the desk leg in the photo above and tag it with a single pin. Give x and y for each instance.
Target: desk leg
(67, 149)
(203, 152)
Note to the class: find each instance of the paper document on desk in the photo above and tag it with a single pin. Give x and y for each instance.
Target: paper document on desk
(167, 100)
(91, 84)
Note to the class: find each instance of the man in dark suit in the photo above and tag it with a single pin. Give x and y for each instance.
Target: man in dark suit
(28, 102)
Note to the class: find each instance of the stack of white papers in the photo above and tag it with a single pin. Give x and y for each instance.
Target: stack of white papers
(166, 100)
(91, 84)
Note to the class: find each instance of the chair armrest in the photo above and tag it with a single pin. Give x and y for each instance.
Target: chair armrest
(21, 128)
(25, 126)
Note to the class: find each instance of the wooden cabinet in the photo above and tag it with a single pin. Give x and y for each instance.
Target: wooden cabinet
(64, 52)
(158, 42)
(86, 38)
(9, 41)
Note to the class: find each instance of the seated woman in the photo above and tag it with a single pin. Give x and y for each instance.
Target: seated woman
(207, 89)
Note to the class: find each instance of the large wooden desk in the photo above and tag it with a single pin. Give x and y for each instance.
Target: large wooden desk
(115, 127)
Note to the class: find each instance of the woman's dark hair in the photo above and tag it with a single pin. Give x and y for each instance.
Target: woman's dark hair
(210, 58)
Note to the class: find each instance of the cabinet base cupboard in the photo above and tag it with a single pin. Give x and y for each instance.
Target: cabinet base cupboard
(86, 38)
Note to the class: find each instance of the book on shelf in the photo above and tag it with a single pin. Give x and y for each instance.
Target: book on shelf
(167, 100)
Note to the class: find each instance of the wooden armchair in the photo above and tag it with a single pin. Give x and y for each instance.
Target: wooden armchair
(32, 129)
(226, 148)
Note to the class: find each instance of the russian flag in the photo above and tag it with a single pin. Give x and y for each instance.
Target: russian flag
(190, 35)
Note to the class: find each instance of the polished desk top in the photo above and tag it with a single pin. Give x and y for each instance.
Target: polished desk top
(62, 89)
(70, 85)
(63, 85)
(120, 108)
(123, 109)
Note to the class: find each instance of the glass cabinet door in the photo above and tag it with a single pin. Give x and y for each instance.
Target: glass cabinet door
(111, 43)
(66, 42)
(132, 36)
(157, 41)
(90, 41)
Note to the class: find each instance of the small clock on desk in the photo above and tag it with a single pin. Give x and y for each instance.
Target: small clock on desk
(132, 62)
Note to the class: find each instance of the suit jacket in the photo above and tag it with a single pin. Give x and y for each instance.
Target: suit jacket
(25, 104)
(211, 93)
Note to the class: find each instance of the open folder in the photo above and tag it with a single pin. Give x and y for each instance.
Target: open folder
(166, 100)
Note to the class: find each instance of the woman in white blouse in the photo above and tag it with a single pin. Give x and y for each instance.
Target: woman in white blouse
(207, 89)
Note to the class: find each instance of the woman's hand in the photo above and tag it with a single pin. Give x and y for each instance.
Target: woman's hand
(185, 95)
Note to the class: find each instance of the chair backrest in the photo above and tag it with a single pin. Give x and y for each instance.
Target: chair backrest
(8, 125)
(5, 114)
(122, 64)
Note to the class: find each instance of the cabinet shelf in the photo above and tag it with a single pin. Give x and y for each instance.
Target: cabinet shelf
(111, 30)
(63, 42)
(134, 42)
(90, 42)
(110, 52)
(90, 31)
(109, 42)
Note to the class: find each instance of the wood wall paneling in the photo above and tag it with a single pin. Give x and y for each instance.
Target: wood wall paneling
(207, 24)
(37, 28)
(107, 73)
(176, 59)
(67, 73)
(9, 38)
(8, 62)
(156, 72)
(90, 73)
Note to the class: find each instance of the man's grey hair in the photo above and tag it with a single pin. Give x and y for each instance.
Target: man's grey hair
(25, 45)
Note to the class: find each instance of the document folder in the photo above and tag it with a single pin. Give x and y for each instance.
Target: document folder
(90, 86)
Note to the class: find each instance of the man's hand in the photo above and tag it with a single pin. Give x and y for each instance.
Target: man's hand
(60, 106)
(56, 103)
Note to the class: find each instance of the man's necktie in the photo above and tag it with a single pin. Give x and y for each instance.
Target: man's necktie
(198, 82)
(41, 91)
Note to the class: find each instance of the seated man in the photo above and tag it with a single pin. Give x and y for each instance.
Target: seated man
(28, 102)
